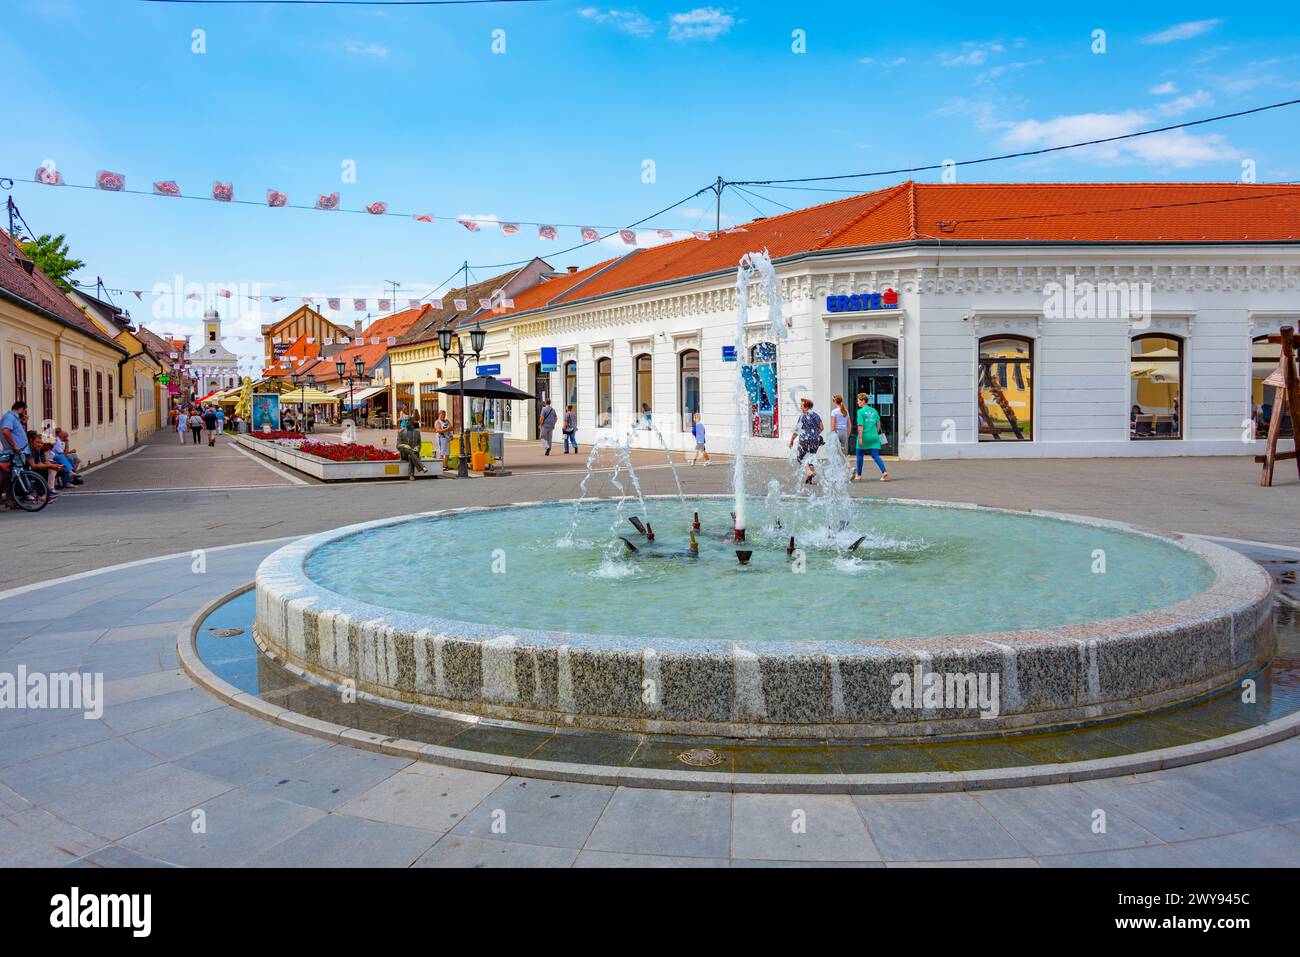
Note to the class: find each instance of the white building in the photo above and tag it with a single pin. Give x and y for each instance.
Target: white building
(214, 366)
(981, 320)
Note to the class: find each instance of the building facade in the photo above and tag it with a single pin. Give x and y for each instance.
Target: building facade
(214, 366)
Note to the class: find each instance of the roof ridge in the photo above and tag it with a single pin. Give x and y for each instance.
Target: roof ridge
(890, 192)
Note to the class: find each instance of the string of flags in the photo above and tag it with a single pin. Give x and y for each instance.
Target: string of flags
(109, 181)
(333, 303)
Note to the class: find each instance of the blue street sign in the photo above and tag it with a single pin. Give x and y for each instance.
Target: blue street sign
(493, 369)
(550, 358)
(728, 353)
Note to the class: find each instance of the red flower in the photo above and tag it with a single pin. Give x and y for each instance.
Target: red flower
(347, 452)
(276, 434)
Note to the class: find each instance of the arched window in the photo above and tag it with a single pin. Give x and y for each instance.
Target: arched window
(1005, 390)
(1156, 387)
(1266, 358)
(571, 384)
(645, 399)
(604, 394)
(764, 394)
(688, 387)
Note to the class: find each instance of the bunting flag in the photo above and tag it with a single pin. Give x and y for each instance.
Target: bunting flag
(277, 298)
(310, 340)
(377, 208)
(275, 198)
(436, 304)
(590, 234)
(49, 177)
(412, 304)
(306, 301)
(700, 234)
(327, 341)
(223, 192)
(166, 187)
(485, 303)
(358, 305)
(194, 296)
(460, 304)
(327, 202)
(508, 303)
(422, 217)
(468, 224)
(113, 182)
(509, 228)
(392, 340)
(628, 236)
(226, 294)
(138, 294)
(333, 304)
(547, 232)
(665, 233)
(385, 305)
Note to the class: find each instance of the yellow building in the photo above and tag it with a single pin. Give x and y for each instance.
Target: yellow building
(60, 362)
(139, 374)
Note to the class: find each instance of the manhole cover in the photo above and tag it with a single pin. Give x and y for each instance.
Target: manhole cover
(701, 757)
(226, 632)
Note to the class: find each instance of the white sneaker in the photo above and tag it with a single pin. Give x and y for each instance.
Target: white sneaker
(707, 463)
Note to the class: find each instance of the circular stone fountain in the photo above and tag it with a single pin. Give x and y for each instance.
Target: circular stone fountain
(943, 620)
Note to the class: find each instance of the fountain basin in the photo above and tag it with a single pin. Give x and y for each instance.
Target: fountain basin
(846, 675)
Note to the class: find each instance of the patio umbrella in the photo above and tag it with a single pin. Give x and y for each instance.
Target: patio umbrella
(486, 387)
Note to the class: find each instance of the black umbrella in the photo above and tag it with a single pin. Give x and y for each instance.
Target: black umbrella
(486, 387)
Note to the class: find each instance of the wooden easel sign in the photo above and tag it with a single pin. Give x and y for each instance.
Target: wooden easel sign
(1283, 378)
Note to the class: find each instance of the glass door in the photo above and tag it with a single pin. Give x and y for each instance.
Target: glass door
(881, 387)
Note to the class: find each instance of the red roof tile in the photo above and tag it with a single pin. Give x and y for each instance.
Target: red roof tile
(40, 291)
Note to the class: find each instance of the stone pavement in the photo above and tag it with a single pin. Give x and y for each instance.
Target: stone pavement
(123, 790)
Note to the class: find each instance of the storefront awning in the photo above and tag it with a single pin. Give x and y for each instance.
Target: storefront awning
(362, 394)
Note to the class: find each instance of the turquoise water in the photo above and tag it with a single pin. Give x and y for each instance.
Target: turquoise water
(919, 572)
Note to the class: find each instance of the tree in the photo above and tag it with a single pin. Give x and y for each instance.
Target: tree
(50, 253)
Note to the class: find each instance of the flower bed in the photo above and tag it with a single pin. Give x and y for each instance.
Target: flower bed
(347, 452)
(273, 434)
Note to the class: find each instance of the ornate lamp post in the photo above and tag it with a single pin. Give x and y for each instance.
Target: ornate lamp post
(341, 368)
(445, 342)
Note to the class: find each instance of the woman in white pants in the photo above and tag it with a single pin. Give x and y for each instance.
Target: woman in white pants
(182, 423)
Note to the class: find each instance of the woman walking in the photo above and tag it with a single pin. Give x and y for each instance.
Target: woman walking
(182, 423)
(840, 423)
(869, 438)
(809, 433)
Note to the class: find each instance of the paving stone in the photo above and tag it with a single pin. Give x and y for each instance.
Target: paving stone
(555, 813)
(1263, 847)
(122, 806)
(244, 759)
(1058, 819)
(144, 713)
(609, 859)
(183, 737)
(68, 730)
(329, 777)
(1157, 855)
(338, 840)
(935, 827)
(456, 851)
(45, 778)
(668, 823)
(35, 838)
(797, 827)
(433, 800)
(117, 857)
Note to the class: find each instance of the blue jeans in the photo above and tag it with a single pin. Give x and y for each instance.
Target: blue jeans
(66, 462)
(875, 455)
(570, 437)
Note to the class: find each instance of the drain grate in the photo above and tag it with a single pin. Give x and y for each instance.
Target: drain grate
(226, 632)
(701, 758)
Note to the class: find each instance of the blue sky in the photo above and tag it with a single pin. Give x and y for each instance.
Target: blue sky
(559, 126)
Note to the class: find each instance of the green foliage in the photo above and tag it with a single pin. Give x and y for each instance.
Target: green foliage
(50, 253)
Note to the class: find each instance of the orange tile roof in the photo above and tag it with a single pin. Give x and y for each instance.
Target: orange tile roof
(954, 214)
(392, 326)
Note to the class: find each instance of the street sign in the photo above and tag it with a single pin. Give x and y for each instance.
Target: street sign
(728, 353)
(492, 369)
(550, 358)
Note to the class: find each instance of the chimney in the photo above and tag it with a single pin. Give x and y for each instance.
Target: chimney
(356, 328)
(572, 269)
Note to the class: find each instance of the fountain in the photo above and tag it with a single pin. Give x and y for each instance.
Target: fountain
(1003, 615)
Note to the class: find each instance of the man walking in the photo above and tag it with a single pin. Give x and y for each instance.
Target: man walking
(546, 425)
(570, 429)
(210, 423)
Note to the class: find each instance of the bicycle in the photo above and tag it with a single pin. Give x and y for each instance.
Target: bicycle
(26, 488)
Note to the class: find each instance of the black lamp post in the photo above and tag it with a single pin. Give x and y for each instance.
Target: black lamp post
(341, 368)
(476, 337)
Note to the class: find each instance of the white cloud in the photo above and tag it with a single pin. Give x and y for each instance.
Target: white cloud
(872, 61)
(972, 54)
(1173, 148)
(628, 21)
(1164, 89)
(702, 23)
(366, 49)
(1182, 31)
(1182, 104)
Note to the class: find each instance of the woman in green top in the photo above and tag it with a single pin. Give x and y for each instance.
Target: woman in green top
(869, 437)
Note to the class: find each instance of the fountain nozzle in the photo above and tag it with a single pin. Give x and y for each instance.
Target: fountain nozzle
(695, 546)
(695, 523)
(630, 546)
(789, 549)
(649, 532)
(854, 546)
(742, 556)
(740, 535)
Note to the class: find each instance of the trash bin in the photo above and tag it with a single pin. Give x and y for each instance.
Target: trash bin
(478, 460)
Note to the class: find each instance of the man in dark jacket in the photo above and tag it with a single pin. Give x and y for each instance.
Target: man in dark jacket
(408, 445)
(210, 423)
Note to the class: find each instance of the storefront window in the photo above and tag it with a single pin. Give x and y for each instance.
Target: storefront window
(571, 384)
(875, 349)
(1266, 358)
(764, 394)
(428, 403)
(1156, 388)
(689, 386)
(645, 400)
(1005, 393)
(604, 394)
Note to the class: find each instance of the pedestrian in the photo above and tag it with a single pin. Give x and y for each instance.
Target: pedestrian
(408, 445)
(60, 454)
(647, 417)
(311, 420)
(840, 423)
(442, 435)
(570, 429)
(195, 421)
(869, 438)
(697, 430)
(221, 420)
(808, 431)
(546, 425)
(13, 430)
(182, 423)
(210, 423)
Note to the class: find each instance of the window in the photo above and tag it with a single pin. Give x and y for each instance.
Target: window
(764, 396)
(85, 393)
(1005, 390)
(689, 386)
(604, 394)
(428, 403)
(875, 349)
(1266, 358)
(99, 398)
(47, 390)
(1156, 388)
(645, 398)
(212, 337)
(571, 384)
(76, 419)
(110, 398)
(20, 378)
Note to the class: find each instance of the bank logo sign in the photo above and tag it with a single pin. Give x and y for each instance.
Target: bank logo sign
(863, 302)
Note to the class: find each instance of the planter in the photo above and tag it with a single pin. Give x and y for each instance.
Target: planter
(328, 471)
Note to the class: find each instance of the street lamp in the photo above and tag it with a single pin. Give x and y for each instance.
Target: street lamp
(341, 368)
(476, 337)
